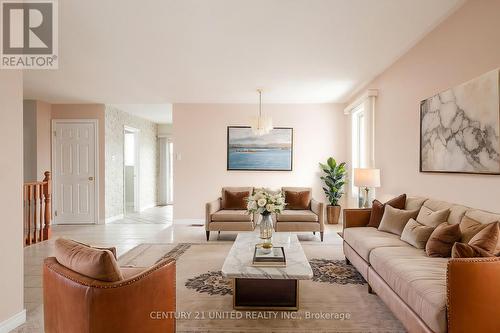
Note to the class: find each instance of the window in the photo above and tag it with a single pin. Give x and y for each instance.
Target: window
(359, 149)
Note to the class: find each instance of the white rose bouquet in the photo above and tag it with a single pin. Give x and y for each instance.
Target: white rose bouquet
(264, 203)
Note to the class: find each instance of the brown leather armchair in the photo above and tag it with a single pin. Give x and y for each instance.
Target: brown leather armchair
(143, 302)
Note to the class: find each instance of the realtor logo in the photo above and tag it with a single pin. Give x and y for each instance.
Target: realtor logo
(29, 34)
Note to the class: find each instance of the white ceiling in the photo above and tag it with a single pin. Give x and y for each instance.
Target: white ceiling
(157, 113)
(221, 51)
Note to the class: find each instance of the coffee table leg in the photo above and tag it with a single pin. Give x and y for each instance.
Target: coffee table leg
(265, 294)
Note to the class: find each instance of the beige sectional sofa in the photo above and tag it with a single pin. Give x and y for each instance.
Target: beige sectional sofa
(217, 218)
(426, 294)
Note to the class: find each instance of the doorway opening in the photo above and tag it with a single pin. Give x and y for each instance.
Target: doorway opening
(131, 200)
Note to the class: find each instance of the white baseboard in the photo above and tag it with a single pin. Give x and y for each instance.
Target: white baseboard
(114, 218)
(13, 322)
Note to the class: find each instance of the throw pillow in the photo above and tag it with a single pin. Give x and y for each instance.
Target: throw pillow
(469, 228)
(94, 263)
(111, 249)
(461, 250)
(442, 239)
(414, 203)
(298, 200)
(484, 244)
(488, 238)
(378, 209)
(432, 218)
(394, 220)
(416, 234)
(235, 200)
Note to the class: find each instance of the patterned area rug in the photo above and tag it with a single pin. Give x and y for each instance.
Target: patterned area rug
(335, 300)
(328, 271)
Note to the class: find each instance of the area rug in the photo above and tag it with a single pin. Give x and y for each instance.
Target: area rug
(335, 300)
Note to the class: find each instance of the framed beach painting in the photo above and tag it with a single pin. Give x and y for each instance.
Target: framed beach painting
(460, 128)
(269, 152)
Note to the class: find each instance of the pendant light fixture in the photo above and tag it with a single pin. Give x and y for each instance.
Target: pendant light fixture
(262, 124)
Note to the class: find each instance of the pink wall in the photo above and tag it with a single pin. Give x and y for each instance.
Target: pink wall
(87, 111)
(200, 137)
(463, 47)
(11, 178)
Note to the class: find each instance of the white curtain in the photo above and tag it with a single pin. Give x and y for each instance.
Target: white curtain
(165, 195)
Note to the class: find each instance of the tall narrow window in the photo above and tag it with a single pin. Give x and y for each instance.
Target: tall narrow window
(359, 149)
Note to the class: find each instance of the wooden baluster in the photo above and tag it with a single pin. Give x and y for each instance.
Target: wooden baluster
(25, 200)
(47, 193)
(35, 212)
(40, 200)
(28, 216)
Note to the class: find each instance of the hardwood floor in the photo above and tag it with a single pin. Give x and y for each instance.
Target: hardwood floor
(124, 235)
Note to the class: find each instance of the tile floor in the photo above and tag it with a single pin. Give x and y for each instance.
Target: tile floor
(125, 235)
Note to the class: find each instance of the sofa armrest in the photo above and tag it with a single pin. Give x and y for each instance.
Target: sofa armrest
(473, 291)
(211, 208)
(318, 208)
(356, 217)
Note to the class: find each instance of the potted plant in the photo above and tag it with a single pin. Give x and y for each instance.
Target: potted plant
(334, 179)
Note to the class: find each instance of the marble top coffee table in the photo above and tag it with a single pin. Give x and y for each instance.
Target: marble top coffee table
(266, 288)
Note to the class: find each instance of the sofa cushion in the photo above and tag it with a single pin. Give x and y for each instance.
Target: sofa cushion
(394, 220)
(299, 200)
(235, 200)
(378, 209)
(93, 263)
(416, 234)
(232, 216)
(419, 280)
(457, 212)
(249, 190)
(413, 203)
(488, 239)
(364, 239)
(432, 218)
(469, 228)
(482, 216)
(462, 250)
(297, 216)
(442, 239)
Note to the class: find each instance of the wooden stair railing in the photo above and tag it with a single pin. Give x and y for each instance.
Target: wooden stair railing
(37, 210)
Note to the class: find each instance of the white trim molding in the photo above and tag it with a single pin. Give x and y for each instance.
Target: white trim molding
(369, 93)
(16, 320)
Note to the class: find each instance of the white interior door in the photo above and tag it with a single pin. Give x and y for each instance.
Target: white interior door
(74, 169)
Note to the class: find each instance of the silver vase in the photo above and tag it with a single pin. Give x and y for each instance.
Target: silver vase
(266, 227)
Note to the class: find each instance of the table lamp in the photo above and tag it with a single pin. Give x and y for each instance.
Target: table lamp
(367, 178)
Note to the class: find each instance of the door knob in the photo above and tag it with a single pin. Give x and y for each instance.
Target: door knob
(91, 178)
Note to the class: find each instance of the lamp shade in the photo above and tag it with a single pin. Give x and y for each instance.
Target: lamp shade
(366, 177)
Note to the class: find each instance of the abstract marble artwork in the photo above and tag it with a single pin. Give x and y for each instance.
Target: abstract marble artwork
(459, 128)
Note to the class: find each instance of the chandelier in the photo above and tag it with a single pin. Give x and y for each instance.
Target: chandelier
(262, 124)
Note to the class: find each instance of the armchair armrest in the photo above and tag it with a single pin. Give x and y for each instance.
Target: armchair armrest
(76, 303)
(211, 208)
(473, 291)
(356, 217)
(318, 208)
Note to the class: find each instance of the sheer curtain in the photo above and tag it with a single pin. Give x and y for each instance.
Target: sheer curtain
(165, 188)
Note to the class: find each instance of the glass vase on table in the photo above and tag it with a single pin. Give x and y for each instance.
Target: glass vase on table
(265, 204)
